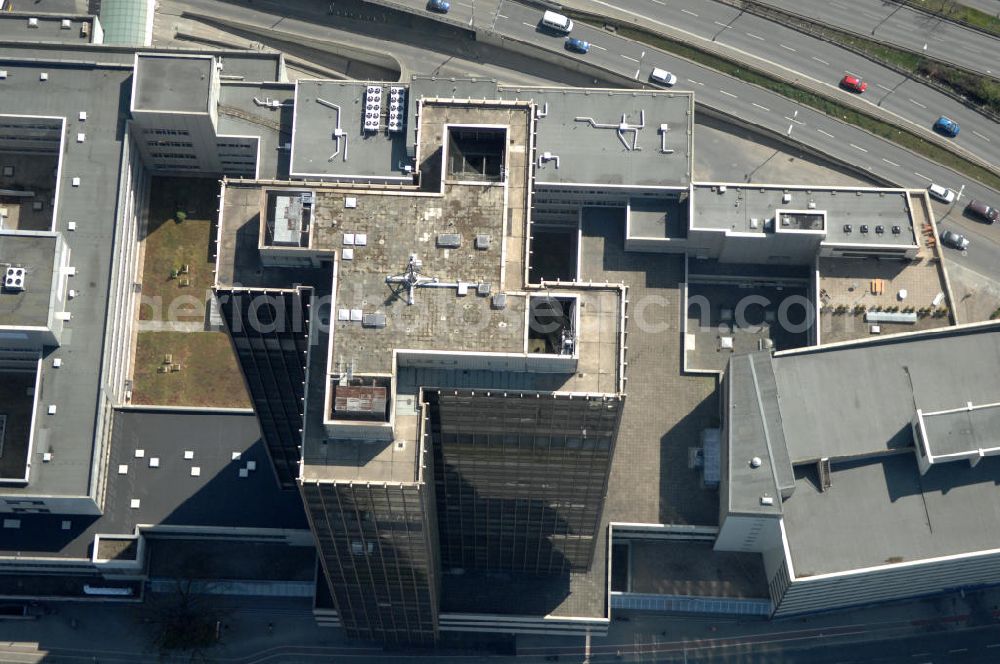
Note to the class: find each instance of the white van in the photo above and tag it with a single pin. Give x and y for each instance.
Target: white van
(941, 193)
(557, 22)
(662, 76)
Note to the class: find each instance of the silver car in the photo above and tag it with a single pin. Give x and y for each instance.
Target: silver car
(956, 240)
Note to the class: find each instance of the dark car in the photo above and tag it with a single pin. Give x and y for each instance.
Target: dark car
(577, 45)
(956, 240)
(946, 126)
(984, 211)
(439, 6)
(853, 83)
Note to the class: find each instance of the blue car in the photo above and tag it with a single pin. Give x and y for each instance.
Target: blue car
(946, 126)
(577, 45)
(439, 6)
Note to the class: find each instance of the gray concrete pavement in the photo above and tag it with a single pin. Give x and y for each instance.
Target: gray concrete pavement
(905, 27)
(939, 630)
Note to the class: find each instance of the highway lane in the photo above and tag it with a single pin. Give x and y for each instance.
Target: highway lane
(902, 26)
(770, 111)
(819, 60)
(412, 55)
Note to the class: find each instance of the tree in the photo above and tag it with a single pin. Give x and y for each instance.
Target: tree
(181, 621)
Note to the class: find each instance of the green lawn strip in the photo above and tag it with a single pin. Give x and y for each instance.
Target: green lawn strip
(179, 234)
(983, 91)
(958, 12)
(208, 376)
(851, 116)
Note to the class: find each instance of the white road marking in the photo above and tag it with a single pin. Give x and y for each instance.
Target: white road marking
(826, 133)
(922, 176)
(981, 136)
(629, 58)
(850, 73)
(892, 163)
(883, 87)
(729, 93)
(789, 48)
(689, 12)
(914, 101)
(958, 650)
(725, 25)
(636, 77)
(695, 82)
(818, 60)
(794, 120)
(762, 107)
(858, 147)
(659, 2)
(530, 25)
(752, 35)
(600, 47)
(502, 16)
(993, 645)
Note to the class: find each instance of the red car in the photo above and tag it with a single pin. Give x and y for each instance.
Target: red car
(854, 84)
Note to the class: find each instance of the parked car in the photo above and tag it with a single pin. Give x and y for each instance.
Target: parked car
(853, 83)
(662, 76)
(942, 194)
(577, 45)
(956, 240)
(946, 126)
(439, 6)
(557, 22)
(984, 211)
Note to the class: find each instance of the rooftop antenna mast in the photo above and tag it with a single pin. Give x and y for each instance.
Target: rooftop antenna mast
(411, 279)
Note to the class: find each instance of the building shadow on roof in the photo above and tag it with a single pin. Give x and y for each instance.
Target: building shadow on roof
(683, 497)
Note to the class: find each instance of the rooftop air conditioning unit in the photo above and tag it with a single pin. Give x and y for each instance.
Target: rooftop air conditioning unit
(14, 279)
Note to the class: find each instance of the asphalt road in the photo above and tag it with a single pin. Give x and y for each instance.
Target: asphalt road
(819, 60)
(902, 26)
(797, 52)
(414, 57)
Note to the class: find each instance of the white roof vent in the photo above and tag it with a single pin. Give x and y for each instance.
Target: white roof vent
(32, 22)
(66, 24)
(43, 76)
(14, 279)
(766, 500)
(755, 462)
(786, 198)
